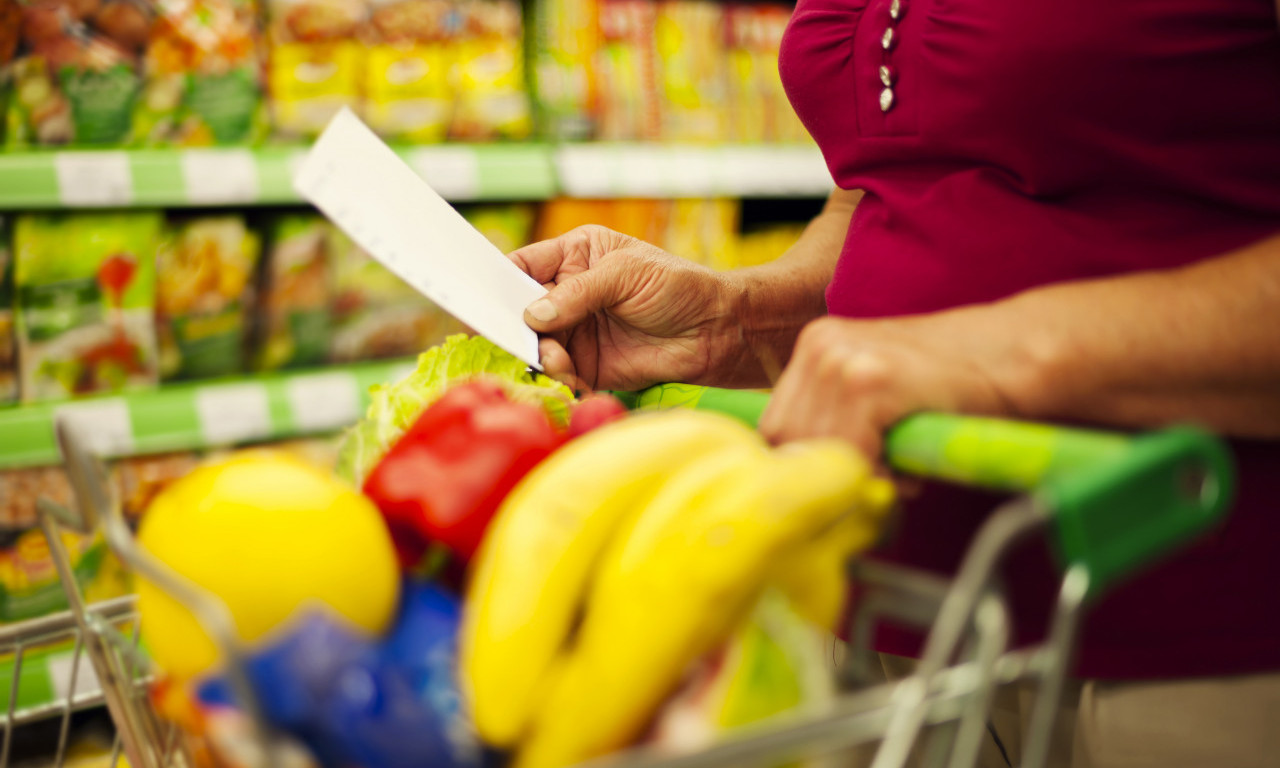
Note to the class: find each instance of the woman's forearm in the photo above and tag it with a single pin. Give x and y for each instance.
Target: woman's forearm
(776, 300)
(1198, 343)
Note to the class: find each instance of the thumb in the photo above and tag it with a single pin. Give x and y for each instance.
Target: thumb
(576, 298)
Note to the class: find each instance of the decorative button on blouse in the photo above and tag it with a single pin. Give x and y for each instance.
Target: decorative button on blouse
(887, 75)
(887, 41)
(895, 10)
(886, 100)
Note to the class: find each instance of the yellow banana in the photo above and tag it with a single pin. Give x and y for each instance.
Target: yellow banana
(531, 574)
(678, 582)
(812, 575)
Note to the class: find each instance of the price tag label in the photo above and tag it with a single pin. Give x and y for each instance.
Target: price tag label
(93, 178)
(640, 172)
(104, 425)
(60, 667)
(233, 413)
(217, 176)
(585, 171)
(453, 172)
(324, 401)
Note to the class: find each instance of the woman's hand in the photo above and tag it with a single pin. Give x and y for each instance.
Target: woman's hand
(624, 314)
(854, 379)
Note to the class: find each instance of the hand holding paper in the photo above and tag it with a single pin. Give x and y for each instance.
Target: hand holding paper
(373, 196)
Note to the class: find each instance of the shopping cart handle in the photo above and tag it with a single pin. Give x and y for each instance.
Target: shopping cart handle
(1116, 501)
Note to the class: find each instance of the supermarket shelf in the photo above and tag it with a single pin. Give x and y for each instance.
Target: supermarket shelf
(263, 175)
(199, 415)
(459, 172)
(606, 170)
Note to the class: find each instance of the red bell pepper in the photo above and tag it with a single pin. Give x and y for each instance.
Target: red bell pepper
(445, 477)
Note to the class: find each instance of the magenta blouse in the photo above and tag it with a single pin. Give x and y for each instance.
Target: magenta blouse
(1006, 144)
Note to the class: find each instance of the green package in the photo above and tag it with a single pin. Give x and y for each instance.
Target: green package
(71, 104)
(8, 350)
(85, 290)
(204, 290)
(376, 314)
(506, 226)
(294, 305)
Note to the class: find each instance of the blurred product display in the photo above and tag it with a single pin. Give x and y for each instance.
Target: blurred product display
(121, 72)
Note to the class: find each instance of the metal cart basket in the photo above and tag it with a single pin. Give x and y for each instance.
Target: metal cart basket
(1107, 503)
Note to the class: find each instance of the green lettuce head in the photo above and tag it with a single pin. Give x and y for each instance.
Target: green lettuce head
(395, 407)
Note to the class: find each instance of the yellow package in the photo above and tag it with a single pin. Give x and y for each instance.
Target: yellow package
(692, 70)
(704, 231)
(316, 61)
(489, 73)
(406, 88)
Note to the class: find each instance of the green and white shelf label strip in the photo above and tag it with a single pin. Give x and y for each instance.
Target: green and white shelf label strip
(241, 176)
(193, 416)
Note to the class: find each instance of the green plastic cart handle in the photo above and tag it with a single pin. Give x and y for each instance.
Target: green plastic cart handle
(1116, 502)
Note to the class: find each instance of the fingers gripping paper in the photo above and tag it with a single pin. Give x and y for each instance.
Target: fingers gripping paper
(364, 188)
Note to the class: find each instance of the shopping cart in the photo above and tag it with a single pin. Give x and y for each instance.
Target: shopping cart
(1107, 503)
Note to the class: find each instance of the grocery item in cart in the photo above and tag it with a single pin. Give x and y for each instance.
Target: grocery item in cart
(304, 685)
(294, 321)
(376, 314)
(692, 71)
(85, 286)
(78, 71)
(203, 74)
(563, 37)
(668, 528)
(8, 344)
(273, 538)
(491, 100)
(204, 295)
(774, 664)
(29, 583)
(394, 407)
(627, 66)
(406, 88)
(316, 61)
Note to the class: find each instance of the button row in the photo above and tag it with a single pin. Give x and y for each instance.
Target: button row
(888, 76)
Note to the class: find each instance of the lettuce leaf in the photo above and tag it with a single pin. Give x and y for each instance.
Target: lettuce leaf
(394, 407)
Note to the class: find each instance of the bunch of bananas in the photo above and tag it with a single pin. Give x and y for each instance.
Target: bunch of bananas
(634, 551)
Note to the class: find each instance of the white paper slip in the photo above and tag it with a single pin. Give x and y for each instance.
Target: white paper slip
(376, 198)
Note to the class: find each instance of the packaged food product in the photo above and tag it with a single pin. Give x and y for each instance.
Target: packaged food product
(646, 219)
(766, 244)
(85, 289)
(627, 69)
(139, 478)
(506, 226)
(406, 86)
(202, 68)
(295, 297)
(29, 585)
(316, 61)
(757, 102)
(376, 314)
(8, 348)
(204, 294)
(704, 231)
(489, 72)
(692, 70)
(78, 71)
(564, 36)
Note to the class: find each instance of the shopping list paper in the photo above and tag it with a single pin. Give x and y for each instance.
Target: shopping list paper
(364, 188)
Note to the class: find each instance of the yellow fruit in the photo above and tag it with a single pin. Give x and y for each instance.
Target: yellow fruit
(267, 534)
(531, 574)
(676, 583)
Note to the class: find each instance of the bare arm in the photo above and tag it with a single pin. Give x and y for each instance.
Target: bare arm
(779, 298)
(1199, 343)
